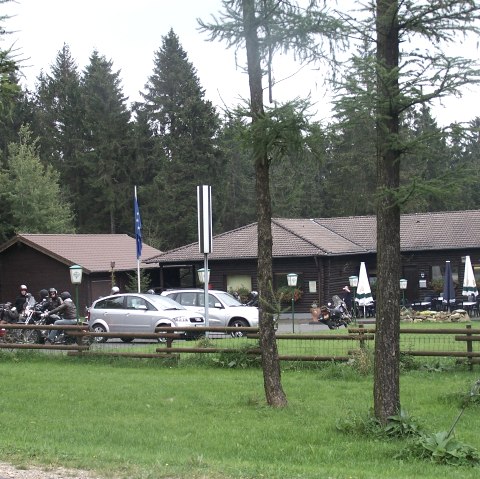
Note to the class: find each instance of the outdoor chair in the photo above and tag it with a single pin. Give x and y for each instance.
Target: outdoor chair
(436, 304)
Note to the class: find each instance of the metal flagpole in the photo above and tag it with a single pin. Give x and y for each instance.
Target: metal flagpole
(138, 236)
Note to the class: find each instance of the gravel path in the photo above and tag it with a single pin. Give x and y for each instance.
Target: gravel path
(7, 471)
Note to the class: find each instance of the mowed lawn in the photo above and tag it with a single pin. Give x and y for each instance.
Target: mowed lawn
(146, 419)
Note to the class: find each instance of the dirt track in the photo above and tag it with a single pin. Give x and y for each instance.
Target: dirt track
(7, 471)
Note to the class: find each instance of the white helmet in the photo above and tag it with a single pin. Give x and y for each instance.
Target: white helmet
(23, 286)
(115, 290)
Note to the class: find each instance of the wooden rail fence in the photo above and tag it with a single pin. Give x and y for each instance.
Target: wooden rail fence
(467, 335)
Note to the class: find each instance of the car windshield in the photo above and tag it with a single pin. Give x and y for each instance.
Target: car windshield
(228, 299)
(163, 302)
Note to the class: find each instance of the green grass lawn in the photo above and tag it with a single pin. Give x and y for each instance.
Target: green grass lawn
(147, 419)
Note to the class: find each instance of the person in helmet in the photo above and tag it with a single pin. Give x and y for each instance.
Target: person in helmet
(65, 314)
(115, 290)
(21, 301)
(8, 314)
(53, 301)
(150, 291)
(43, 298)
(43, 293)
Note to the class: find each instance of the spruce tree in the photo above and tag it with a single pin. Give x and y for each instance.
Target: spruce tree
(107, 158)
(184, 126)
(32, 191)
(58, 122)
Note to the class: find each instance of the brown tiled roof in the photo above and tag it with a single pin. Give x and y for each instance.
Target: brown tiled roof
(339, 236)
(94, 252)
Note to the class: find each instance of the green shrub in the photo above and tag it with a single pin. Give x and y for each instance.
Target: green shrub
(238, 359)
(284, 294)
(362, 361)
(242, 292)
(407, 362)
(353, 423)
(401, 425)
(441, 449)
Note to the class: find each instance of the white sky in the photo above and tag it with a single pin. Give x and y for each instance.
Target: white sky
(129, 32)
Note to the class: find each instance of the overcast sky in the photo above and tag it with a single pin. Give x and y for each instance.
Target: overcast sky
(129, 32)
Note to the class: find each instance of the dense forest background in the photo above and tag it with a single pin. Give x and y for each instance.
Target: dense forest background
(72, 150)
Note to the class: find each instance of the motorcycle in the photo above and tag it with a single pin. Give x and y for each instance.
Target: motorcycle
(30, 316)
(8, 315)
(335, 315)
(33, 315)
(63, 336)
(252, 299)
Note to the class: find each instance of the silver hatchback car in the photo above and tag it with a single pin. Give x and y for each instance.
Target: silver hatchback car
(139, 313)
(223, 308)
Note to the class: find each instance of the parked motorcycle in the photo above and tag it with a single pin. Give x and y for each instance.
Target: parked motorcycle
(10, 315)
(34, 315)
(252, 299)
(335, 314)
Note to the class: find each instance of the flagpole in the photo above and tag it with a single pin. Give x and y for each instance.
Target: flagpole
(138, 275)
(138, 235)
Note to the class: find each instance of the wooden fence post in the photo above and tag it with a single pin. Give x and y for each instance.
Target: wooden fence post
(362, 341)
(469, 346)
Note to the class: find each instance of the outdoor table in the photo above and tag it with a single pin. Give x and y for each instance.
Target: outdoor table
(469, 307)
(421, 305)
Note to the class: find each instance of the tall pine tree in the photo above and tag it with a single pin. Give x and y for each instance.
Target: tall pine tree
(184, 126)
(58, 122)
(108, 151)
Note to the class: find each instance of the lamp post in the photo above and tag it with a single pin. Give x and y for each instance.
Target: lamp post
(403, 287)
(76, 272)
(353, 280)
(292, 281)
(203, 277)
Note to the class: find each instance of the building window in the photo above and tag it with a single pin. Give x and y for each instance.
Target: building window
(438, 272)
(476, 272)
(239, 282)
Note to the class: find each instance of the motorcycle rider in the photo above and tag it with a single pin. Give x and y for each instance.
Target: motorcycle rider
(53, 301)
(68, 312)
(43, 296)
(325, 316)
(347, 297)
(8, 314)
(252, 299)
(22, 300)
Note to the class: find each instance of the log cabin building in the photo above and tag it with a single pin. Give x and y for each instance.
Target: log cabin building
(43, 261)
(325, 252)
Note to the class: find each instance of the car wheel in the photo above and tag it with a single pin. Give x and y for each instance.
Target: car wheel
(127, 340)
(162, 340)
(238, 323)
(98, 328)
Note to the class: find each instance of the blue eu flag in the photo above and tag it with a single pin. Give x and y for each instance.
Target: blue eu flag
(138, 228)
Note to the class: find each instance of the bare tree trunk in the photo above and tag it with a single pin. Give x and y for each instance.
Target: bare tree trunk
(387, 337)
(112, 220)
(271, 366)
